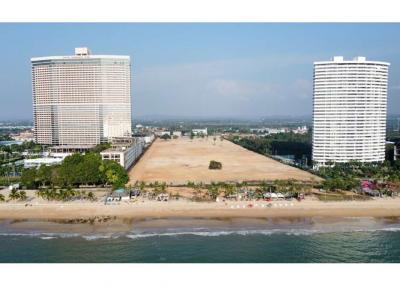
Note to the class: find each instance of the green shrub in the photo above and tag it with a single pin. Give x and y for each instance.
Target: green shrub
(214, 165)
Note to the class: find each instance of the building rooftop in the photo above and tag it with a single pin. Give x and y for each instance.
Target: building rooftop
(358, 59)
(80, 53)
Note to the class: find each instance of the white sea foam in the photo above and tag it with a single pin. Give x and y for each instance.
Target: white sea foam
(100, 236)
(47, 237)
(41, 235)
(206, 232)
(213, 233)
(266, 232)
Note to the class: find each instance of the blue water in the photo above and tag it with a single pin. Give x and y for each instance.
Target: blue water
(9, 143)
(291, 243)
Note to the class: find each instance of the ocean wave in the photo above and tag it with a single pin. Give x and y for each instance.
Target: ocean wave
(266, 232)
(201, 232)
(100, 236)
(47, 237)
(214, 233)
(41, 235)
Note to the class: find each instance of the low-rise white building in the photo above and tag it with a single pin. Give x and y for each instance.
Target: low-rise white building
(37, 162)
(177, 133)
(199, 131)
(125, 153)
(148, 139)
(161, 133)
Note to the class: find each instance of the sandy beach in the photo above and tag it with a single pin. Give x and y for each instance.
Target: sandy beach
(151, 209)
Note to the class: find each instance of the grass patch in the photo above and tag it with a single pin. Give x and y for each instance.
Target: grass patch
(338, 196)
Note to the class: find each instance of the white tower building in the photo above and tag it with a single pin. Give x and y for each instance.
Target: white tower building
(82, 99)
(349, 110)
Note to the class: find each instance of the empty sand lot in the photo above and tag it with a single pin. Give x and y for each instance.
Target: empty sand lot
(178, 161)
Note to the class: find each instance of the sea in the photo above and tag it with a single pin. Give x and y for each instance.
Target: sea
(177, 240)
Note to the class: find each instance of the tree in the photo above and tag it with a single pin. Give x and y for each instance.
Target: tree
(91, 196)
(163, 187)
(101, 147)
(28, 178)
(22, 196)
(14, 195)
(114, 174)
(43, 175)
(213, 191)
(142, 186)
(215, 165)
(165, 136)
(229, 190)
(70, 171)
(89, 168)
(42, 193)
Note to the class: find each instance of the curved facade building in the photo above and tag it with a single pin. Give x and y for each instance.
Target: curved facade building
(82, 99)
(349, 110)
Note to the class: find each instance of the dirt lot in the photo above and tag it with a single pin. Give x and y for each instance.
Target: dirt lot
(178, 161)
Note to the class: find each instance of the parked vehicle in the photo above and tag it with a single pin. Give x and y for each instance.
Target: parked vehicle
(14, 187)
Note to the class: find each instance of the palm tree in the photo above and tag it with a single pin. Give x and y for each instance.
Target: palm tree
(196, 190)
(142, 185)
(14, 195)
(91, 196)
(39, 193)
(50, 194)
(22, 195)
(163, 187)
(213, 191)
(229, 190)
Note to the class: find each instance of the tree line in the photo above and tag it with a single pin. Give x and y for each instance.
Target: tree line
(347, 176)
(298, 145)
(76, 170)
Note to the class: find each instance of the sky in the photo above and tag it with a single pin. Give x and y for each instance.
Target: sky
(235, 70)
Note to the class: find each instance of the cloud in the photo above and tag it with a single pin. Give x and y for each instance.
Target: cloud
(248, 87)
(302, 88)
(237, 89)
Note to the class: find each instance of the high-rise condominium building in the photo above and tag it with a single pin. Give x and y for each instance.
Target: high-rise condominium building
(349, 114)
(82, 99)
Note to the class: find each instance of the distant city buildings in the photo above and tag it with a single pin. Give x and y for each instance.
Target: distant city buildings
(270, 131)
(82, 99)
(349, 110)
(23, 136)
(300, 130)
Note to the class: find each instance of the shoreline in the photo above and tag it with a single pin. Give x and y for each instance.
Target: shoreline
(184, 209)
